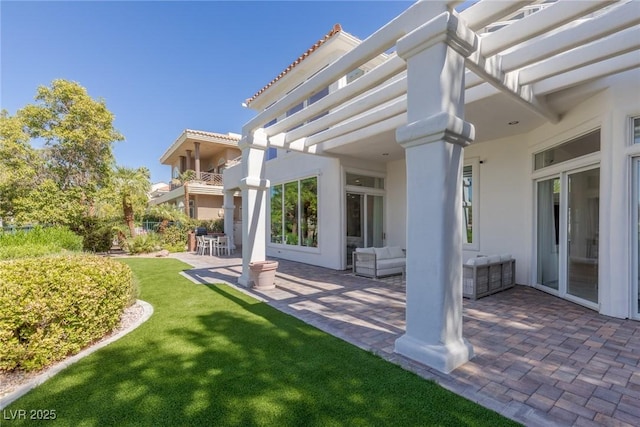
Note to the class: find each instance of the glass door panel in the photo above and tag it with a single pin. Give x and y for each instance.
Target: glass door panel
(355, 223)
(374, 221)
(548, 232)
(364, 222)
(583, 214)
(637, 228)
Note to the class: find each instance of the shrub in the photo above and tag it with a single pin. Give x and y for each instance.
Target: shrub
(174, 238)
(143, 243)
(97, 234)
(53, 307)
(38, 241)
(214, 225)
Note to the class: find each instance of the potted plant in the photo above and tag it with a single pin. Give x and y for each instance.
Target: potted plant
(263, 274)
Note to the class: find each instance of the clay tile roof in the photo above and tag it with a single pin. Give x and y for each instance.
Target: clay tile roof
(213, 134)
(335, 30)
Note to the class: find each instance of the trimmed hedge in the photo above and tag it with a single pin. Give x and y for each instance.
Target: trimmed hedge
(38, 242)
(53, 307)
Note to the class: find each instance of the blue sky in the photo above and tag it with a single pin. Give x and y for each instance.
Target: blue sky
(163, 67)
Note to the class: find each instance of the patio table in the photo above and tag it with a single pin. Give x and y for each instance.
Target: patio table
(211, 240)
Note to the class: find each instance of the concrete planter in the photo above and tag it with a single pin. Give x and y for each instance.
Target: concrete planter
(263, 274)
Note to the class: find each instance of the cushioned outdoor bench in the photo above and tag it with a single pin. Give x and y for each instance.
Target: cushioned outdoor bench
(378, 262)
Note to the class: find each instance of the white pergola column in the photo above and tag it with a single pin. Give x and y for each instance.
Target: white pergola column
(229, 209)
(433, 140)
(254, 201)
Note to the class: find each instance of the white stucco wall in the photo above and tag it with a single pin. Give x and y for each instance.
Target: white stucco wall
(503, 201)
(396, 213)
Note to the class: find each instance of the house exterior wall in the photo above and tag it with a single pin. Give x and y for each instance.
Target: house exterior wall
(502, 203)
(290, 167)
(208, 207)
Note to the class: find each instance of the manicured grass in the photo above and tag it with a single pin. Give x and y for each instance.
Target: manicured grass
(212, 356)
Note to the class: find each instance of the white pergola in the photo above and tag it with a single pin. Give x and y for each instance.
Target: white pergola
(443, 60)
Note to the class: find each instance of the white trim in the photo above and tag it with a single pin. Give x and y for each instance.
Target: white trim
(282, 246)
(569, 168)
(635, 188)
(572, 164)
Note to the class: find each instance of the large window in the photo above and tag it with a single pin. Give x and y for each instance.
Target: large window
(294, 213)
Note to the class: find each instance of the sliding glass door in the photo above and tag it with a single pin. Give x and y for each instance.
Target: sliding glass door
(635, 300)
(364, 221)
(583, 214)
(568, 214)
(548, 232)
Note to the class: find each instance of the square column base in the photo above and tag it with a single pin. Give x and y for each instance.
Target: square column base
(244, 280)
(444, 358)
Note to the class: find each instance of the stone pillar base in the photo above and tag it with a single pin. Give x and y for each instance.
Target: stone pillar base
(244, 279)
(444, 358)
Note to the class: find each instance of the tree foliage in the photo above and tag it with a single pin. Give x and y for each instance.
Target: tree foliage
(131, 187)
(62, 182)
(19, 163)
(78, 132)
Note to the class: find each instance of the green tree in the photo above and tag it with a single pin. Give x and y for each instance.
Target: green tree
(48, 204)
(132, 186)
(20, 165)
(78, 134)
(168, 213)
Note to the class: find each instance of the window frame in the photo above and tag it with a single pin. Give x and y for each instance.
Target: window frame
(299, 215)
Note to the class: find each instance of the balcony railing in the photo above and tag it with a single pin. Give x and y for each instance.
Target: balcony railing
(205, 178)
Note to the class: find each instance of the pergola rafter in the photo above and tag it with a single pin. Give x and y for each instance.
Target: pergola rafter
(527, 59)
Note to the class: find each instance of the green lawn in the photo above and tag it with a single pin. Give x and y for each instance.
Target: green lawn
(210, 355)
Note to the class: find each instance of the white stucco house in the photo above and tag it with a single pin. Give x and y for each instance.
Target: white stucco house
(527, 113)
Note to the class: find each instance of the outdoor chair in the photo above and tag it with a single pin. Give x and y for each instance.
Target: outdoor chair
(202, 245)
(221, 245)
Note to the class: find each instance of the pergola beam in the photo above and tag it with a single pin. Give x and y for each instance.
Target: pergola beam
(601, 50)
(585, 74)
(378, 75)
(490, 70)
(538, 23)
(624, 16)
(481, 14)
(382, 112)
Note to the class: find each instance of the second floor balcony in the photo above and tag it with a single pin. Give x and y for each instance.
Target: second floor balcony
(207, 178)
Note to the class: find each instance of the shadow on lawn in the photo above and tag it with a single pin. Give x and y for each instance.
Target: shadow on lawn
(241, 362)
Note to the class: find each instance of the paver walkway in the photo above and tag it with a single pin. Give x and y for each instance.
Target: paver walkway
(539, 360)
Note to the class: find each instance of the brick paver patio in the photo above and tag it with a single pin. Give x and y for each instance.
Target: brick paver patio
(539, 360)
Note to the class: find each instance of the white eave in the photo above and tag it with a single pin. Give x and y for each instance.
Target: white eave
(308, 64)
(230, 139)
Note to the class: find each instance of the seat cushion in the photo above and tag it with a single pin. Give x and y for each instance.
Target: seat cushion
(382, 253)
(391, 263)
(365, 250)
(396, 252)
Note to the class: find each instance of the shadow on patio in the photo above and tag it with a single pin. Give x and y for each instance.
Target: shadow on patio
(538, 359)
